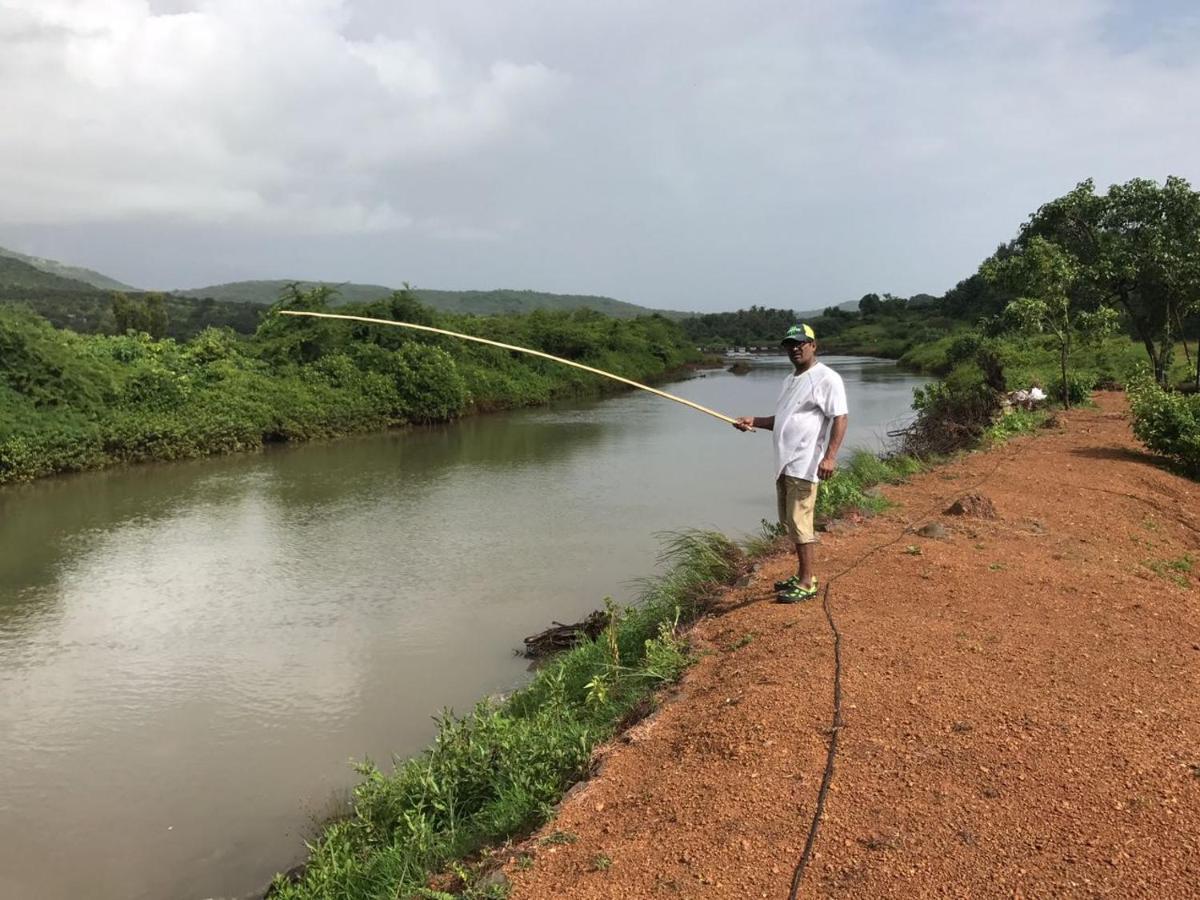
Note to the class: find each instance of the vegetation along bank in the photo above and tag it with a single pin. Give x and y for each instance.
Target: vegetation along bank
(72, 401)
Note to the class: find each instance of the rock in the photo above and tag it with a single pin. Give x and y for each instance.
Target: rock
(975, 505)
(494, 878)
(933, 530)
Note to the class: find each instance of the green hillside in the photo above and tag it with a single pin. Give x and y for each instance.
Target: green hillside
(90, 278)
(268, 291)
(480, 303)
(82, 307)
(499, 302)
(17, 276)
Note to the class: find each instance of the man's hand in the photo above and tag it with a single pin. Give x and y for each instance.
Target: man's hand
(826, 468)
(744, 423)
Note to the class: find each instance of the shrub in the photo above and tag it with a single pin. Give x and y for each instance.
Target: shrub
(952, 413)
(431, 388)
(1079, 388)
(1167, 423)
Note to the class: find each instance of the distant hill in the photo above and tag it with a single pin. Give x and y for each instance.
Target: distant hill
(82, 307)
(62, 270)
(17, 276)
(267, 292)
(482, 303)
(508, 301)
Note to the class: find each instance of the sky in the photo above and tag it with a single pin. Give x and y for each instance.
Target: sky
(696, 156)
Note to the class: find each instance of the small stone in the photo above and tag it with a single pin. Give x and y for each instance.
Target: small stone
(494, 878)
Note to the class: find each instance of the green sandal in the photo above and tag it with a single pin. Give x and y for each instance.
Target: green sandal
(797, 593)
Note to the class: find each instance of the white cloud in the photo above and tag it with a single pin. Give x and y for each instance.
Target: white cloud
(259, 113)
(685, 155)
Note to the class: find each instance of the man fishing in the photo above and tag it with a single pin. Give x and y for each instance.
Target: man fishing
(809, 424)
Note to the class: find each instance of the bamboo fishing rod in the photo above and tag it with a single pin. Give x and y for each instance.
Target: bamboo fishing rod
(479, 340)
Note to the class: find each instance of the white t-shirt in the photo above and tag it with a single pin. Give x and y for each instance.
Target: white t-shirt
(804, 415)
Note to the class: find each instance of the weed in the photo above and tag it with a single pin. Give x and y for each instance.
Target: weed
(1183, 564)
(1174, 570)
(1017, 422)
(744, 641)
(601, 862)
(997, 567)
(558, 838)
(764, 542)
(912, 550)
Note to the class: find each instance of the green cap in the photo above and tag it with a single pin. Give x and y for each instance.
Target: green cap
(799, 334)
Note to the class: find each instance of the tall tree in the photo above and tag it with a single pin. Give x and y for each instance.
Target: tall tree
(1137, 247)
(1047, 275)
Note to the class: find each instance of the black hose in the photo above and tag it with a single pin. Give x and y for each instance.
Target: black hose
(836, 729)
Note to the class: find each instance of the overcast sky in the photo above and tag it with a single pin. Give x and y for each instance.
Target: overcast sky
(702, 155)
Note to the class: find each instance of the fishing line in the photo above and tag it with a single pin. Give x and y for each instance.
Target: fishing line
(836, 729)
(513, 347)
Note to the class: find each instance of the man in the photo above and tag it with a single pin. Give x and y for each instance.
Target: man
(809, 424)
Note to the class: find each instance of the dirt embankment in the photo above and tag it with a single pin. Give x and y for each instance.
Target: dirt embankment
(1021, 704)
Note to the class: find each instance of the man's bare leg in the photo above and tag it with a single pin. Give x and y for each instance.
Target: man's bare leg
(804, 560)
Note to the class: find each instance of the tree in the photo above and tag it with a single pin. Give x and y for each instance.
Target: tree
(1047, 276)
(148, 314)
(869, 304)
(1138, 248)
(295, 339)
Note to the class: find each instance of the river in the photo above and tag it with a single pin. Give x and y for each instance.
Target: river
(192, 653)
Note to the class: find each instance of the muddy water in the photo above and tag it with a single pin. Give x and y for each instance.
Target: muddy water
(192, 653)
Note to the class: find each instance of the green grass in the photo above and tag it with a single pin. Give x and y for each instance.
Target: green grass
(1034, 360)
(1016, 422)
(848, 488)
(1174, 570)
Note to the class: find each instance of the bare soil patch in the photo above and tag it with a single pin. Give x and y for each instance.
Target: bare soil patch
(1021, 702)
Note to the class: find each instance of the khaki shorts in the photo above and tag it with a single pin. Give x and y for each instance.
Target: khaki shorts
(797, 499)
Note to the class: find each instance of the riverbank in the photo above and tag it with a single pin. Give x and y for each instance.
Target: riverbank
(1019, 703)
(74, 402)
(494, 773)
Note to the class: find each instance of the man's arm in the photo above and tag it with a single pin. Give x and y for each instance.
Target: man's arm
(827, 465)
(749, 423)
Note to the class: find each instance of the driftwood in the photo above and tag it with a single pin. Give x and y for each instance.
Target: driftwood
(563, 637)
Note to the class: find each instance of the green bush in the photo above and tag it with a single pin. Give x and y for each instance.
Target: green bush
(1167, 423)
(431, 388)
(1079, 387)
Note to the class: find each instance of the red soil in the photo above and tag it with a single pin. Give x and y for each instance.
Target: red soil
(1021, 704)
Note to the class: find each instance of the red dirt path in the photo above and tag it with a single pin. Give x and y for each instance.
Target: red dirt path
(1021, 702)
